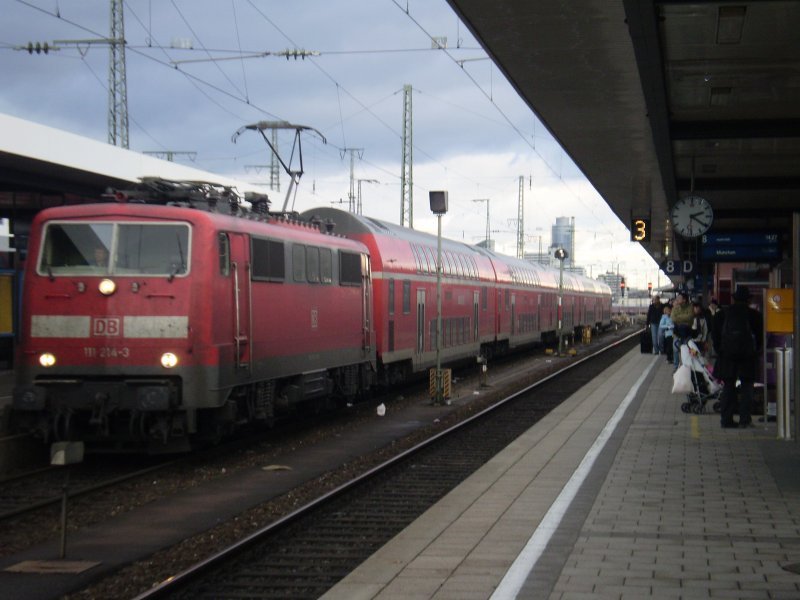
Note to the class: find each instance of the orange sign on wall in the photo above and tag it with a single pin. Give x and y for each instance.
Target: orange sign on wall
(6, 305)
(779, 309)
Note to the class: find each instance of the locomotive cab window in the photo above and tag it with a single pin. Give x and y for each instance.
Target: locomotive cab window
(312, 265)
(299, 263)
(224, 254)
(325, 265)
(95, 248)
(349, 268)
(268, 260)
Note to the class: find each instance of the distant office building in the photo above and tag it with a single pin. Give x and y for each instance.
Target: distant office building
(612, 280)
(538, 258)
(563, 236)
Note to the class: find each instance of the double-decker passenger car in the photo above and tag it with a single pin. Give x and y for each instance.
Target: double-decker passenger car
(490, 303)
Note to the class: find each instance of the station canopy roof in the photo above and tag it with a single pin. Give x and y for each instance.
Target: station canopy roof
(656, 100)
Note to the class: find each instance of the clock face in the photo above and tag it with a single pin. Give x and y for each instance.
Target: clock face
(691, 216)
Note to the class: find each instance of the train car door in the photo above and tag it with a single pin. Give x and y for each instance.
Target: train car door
(242, 316)
(476, 311)
(513, 314)
(420, 321)
(366, 305)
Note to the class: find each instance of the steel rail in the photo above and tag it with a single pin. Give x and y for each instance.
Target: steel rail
(180, 580)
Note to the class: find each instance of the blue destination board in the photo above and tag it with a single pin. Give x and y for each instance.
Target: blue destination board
(740, 253)
(740, 239)
(741, 247)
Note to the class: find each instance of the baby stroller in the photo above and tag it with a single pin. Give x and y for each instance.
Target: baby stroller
(705, 387)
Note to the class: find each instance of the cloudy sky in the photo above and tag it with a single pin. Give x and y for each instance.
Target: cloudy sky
(198, 70)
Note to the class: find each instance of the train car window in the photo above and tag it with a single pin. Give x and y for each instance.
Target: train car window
(391, 296)
(152, 249)
(298, 262)
(460, 271)
(447, 266)
(268, 260)
(117, 248)
(224, 254)
(406, 297)
(70, 248)
(312, 265)
(431, 256)
(485, 298)
(508, 298)
(325, 265)
(349, 268)
(417, 260)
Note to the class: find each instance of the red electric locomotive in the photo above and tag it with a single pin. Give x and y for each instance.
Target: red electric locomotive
(145, 326)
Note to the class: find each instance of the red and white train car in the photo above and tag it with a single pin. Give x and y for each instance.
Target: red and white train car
(149, 324)
(490, 303)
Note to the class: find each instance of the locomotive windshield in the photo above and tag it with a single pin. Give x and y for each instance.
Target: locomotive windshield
(115, 249)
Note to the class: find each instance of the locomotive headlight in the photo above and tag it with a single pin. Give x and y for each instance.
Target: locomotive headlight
(47, 359)
(169, 360)
(107, 287)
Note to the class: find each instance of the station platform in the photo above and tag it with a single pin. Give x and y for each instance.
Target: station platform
(616, 494)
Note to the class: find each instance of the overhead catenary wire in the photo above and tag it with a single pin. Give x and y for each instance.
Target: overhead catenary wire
(240, 94)
(488, 96)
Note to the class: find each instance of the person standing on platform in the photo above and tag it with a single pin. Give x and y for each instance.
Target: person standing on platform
(713, 309)
(700, 327)
(682, 315)
(665, 332)
(737, 338)
(654, 312)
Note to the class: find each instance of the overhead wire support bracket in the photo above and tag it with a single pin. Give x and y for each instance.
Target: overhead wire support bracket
(288, 53)
(294, 174)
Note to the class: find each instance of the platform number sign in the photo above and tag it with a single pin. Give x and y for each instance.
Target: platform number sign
(640, 230)
(677, 267)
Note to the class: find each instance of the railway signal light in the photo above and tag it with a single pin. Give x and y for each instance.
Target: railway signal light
(622, 287)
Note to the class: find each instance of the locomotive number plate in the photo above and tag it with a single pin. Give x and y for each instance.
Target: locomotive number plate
(106, 352)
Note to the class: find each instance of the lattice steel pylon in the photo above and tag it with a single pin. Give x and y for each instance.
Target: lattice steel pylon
(274, 167)
(117, 83)
(521, 219)
(352, 193)
(407, 177)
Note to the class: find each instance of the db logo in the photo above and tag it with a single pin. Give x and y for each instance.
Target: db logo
(106, 327)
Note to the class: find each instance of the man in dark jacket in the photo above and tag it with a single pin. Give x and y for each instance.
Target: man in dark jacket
(737, 356)
(654, 313)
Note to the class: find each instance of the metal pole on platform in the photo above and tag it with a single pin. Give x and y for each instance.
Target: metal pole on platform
(796, 332)
(438, 202)
(561, 255)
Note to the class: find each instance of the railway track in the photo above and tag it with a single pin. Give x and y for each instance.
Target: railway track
(305, 553)
(42, 488)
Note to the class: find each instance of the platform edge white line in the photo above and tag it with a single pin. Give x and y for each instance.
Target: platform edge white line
(519, 570)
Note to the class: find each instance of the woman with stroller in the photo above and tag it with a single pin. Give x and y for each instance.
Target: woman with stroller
(682, 315)
(700, 329)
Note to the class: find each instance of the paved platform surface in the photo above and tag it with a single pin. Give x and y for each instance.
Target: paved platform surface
(616, 494)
